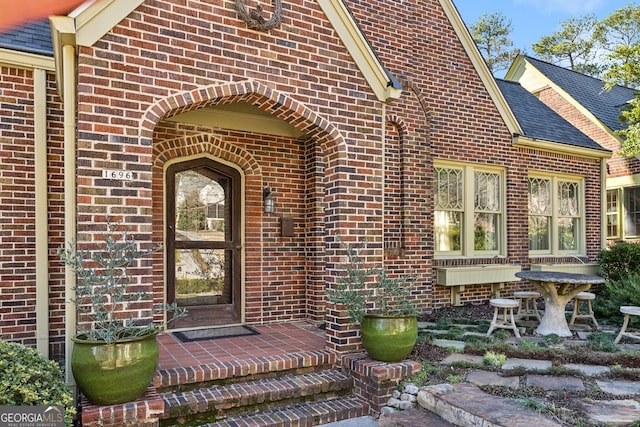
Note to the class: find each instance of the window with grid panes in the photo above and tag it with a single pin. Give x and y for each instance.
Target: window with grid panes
(469, 210)
(613, 209)
(556, 223)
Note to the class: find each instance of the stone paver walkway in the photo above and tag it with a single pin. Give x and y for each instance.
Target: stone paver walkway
(465, 404)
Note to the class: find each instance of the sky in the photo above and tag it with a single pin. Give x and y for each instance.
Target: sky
(533, 19)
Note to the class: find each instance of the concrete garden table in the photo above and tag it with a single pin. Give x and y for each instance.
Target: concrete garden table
(558, 289)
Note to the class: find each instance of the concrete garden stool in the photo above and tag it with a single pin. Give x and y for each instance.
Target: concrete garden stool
(507, 306)
(627, 310)
(583, 296)
(527, 306)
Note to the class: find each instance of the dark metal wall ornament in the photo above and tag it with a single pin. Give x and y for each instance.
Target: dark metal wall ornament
(254, 18)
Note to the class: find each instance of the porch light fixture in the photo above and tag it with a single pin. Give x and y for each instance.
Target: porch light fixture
(269, 201)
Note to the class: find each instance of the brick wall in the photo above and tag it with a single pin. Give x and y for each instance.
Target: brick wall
(447, 114)
(164, 60)
(17, 208)
(617, 165)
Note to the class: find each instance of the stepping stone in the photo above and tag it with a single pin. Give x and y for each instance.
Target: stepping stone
(464, 358)
(474, 334)
(613, 413)
(437, 331)
(619, 388)
(483, 378)
(417, 417)
(588, 370)
(465, 404)
(550, 382)
(528, 364)
(427, 325)
(583, 335)
(458, 345)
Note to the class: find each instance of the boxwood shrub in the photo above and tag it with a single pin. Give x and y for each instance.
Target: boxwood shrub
(27, 378)
(619, 261)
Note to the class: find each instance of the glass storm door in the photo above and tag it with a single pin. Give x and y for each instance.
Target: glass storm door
(203, 242)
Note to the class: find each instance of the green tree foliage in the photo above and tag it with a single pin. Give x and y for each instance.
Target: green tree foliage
(575, 44)
(491, 35)
(621, 39)
(192, 213)
(630, 116)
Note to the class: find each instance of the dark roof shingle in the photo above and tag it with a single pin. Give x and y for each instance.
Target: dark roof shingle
(538, 121)
(589, 92)
(33, 37)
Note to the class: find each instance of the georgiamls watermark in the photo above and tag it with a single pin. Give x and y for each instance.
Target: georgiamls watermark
(31, 416)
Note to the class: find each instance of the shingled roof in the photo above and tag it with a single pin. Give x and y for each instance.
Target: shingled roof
(588, 91)
(34, 37)
(539, 121)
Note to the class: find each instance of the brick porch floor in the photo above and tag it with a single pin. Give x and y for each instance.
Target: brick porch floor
(273, 340)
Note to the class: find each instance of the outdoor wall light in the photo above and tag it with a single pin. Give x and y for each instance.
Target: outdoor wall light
(269, 201)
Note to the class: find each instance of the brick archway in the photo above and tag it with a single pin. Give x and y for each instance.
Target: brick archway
(320, 142)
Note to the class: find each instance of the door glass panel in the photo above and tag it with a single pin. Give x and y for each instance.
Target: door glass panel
(200, 205)
(203, 277)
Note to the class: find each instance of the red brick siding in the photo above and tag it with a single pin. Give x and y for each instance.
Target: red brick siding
(462, 124)
(17, 208)
(617, 165)
(164, 60)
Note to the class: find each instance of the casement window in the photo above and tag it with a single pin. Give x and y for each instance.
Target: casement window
(556, 215)
(469, 210)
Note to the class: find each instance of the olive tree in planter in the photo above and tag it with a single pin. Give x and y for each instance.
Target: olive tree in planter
(115, 358)
(381, 304)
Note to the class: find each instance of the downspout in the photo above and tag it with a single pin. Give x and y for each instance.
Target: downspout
(603, 203)
(41, 224)
(69, 101)
(383, 165)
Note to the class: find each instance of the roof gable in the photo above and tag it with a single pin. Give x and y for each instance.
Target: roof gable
(585, 91)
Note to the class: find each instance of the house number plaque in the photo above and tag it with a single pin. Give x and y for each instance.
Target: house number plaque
(120, 175)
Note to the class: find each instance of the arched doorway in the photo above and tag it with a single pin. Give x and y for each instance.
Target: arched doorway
(204, 242)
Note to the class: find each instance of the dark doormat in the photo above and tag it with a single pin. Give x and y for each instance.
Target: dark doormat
(215, 333)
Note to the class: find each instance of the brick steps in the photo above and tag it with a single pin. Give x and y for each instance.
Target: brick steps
(211, 403)
(307, 414)
(303, 386)
(184, 378)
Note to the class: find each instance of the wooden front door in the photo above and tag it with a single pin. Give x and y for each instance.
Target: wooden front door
(203, 242)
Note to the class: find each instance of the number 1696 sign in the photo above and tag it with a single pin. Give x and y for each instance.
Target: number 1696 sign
(118, 174)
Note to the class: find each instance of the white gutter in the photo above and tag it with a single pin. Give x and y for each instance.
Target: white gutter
(41, 224)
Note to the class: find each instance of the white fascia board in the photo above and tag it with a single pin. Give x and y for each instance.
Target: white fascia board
(360, 50)
(98, 18)
(481, 67)
(13, 58)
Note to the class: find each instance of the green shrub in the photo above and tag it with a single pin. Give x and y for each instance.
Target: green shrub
(614, 294)
(494, 360)
(28, 378)
(619, 260)
(602, 341)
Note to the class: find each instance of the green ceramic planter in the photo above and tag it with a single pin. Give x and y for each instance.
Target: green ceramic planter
(108, 374)
(389, 338)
